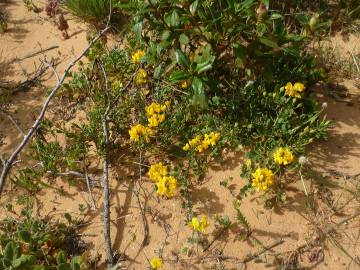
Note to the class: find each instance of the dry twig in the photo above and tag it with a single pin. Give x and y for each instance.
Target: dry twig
(8, 163)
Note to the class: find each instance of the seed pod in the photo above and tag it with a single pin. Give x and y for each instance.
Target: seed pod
(313, 22)
(261, 12)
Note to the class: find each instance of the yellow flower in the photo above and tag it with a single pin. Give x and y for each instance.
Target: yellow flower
(299, 87)
(294, 90)
(198, 225)
(156, 263)
(141, 77)
(138, 131)
(153, 108)
(195, 141)
(166, 186)
(136, 57)
(186, 147)
(201, 144)
(263, 178)
(283, 156)
(157, 171)
(184, 85)
(153, 112)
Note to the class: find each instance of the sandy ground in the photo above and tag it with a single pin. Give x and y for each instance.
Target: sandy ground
(336, 160)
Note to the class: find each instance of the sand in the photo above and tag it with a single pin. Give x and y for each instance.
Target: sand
(337, 160)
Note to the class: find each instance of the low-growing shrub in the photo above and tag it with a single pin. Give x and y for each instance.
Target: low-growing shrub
(31, 243)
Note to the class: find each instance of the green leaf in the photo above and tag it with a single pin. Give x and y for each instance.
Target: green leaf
(174, 19)
(24, 236)
(11, 251)
(275, 16)
(158, 72)
(182, 59)
(137, 28)
(193, 7)
(24, 260)
(240, 52)
(199, 97)
(61, 258)
(268, 42)
(63, 266)
(205, 66)
(183, 39)
(68, 218)
(178, 75)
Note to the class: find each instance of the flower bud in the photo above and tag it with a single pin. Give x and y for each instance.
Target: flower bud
(313, 22)
(324, 105)
(261, 12)
(303, 160)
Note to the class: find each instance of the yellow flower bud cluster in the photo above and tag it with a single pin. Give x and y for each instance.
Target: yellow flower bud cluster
(294, 90)
(141, 77)
(198, 224)
(263, 178)
(200, 144)
(166, 185)
(139, 131)
(155, 113)
(283, 156)
(156, 263)
(137, 56)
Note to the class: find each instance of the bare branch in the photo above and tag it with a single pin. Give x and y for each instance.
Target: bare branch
(35, 126)
(141, 207)
(93, 205)
(105, 182)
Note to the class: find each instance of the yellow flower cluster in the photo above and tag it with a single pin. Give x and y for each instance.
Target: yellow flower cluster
(283, 156)
(201, 144)
(137, 56)
(138, 131)
(294, 90)
(198, 225)
(166, 185)
(141, 77)
(156, 263)
(155, 113)
(263, 178)
(157, 171)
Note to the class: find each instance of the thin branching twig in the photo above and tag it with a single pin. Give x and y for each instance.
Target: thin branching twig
(8, 163)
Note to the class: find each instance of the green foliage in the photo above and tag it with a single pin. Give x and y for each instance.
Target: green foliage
(31, 243)
(95, 12)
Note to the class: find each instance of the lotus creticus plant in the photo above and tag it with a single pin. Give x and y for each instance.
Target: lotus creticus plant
(201, 144)
(198, 224)
(294, 90)
(283, 156)
(157, 171)
(263, 179)
(165, 185)
(139, 131)
(141, 77)
(156, 263)
(155, 113)
(137, 56)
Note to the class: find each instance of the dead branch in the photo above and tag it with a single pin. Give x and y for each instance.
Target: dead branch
(141, 207)
(35, 53)
(8, 163)
(30, 82)
(251, 257)
(92, 200)
(105, 182)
